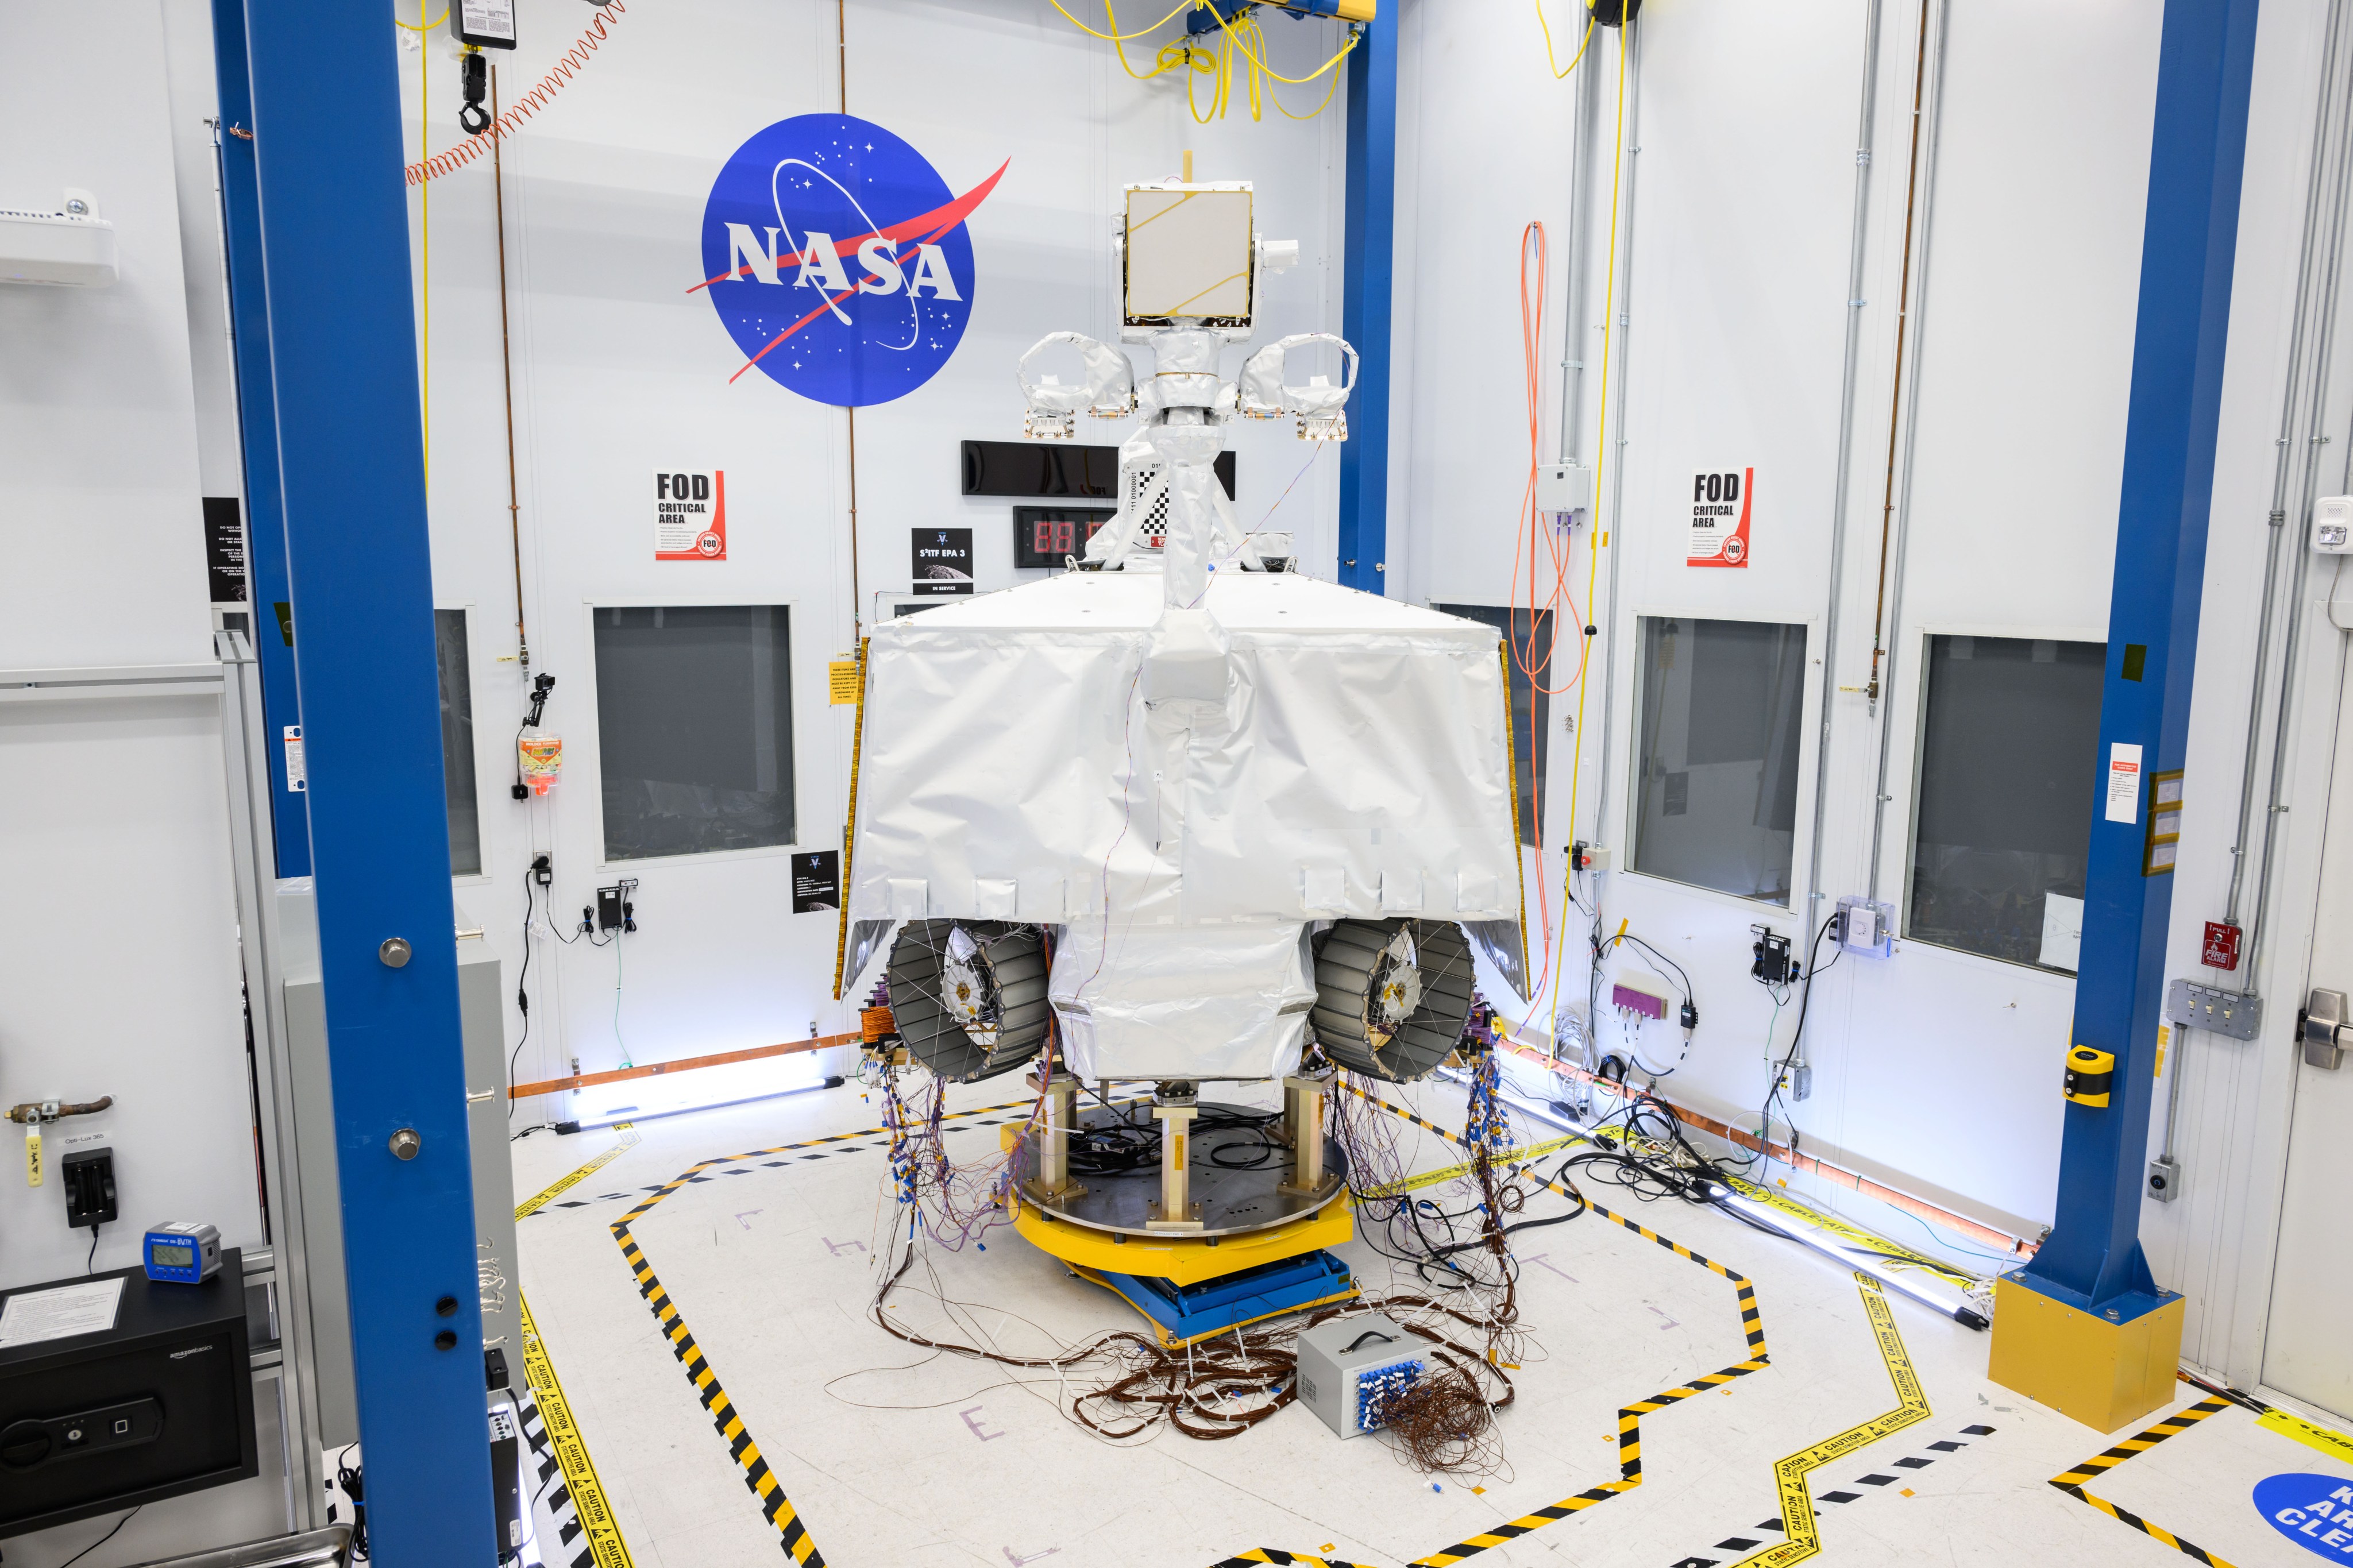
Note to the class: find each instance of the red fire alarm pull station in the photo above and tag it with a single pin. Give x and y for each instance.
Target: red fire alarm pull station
(2221, 950)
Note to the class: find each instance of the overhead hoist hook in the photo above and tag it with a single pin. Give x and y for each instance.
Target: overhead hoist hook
(473, 117)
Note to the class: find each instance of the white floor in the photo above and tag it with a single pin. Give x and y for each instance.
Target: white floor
(889, 1458)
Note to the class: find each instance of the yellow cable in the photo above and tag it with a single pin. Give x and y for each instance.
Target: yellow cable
(425, 246)
(1218, 64)
(1592, 573)
(1560, 73)
(1355, 34)
(1116, 36)
(1330, 88)
(1164, 64)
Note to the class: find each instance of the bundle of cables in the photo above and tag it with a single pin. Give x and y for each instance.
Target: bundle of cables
(1122, 1385)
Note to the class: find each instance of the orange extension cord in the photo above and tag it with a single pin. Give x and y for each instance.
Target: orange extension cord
(1537, 547)
(529, 104)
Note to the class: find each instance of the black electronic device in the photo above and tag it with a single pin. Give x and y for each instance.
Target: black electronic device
(1058, 468)
(1774, 963)
(89, 1187)
(1051, 535)
(158, 1405)
(616, 911)
(506, 1478)
(485, 23)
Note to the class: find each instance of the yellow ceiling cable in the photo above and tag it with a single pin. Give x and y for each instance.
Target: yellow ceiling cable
(1248, 39)
(424, 248)
(1560, 71)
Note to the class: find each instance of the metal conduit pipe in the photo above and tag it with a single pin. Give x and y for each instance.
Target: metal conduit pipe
(1574, 329)
(2303, 389)
(1856, 246)
(506, 376)
(1632, 35)
(1884, 674)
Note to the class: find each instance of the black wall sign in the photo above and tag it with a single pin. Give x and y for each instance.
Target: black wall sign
(816, 881)
(943, 561)
(1055, 468)
(225, 548)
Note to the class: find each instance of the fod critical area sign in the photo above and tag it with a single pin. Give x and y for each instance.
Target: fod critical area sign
(1719, 517)
(691, 516)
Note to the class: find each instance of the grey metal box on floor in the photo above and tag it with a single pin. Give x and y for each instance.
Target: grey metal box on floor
(1350, 1368)
(481, 997)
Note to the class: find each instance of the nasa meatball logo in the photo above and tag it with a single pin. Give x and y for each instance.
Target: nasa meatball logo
(838, 259)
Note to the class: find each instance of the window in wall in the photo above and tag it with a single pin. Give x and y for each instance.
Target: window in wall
(450, 655)
(1531, 648)
(694, 720)
(1715, 795)
(2010, 745)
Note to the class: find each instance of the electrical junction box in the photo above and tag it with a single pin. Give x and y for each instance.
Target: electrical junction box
(2332, 525)
(73, 247)
(1639, 994)
(1350, 1369)
(1866, 927)
(1563, 488)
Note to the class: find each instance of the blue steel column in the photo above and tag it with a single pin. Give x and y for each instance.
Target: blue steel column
(335, 233)
(2092, 1259)
(265, 514)
(1369, 261)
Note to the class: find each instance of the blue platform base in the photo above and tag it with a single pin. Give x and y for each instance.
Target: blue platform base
(1186, 1313)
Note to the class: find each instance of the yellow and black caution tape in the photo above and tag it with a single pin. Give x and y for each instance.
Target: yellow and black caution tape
(532, 1205)
(1893, 1254)
(2073, 1481)
(757, 1474)
(1421, 1179)
(1789, 1474)
(2311, 1434)
(1630, 1418)
(778, 1508)
(603, 1534)
(605, 1545)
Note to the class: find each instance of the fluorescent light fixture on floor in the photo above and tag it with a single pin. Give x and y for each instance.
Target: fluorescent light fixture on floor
(704, 1089)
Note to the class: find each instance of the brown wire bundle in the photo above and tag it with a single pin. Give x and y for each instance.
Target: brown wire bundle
(1180, 1387)
(1442, 1422)
(1222, 1387)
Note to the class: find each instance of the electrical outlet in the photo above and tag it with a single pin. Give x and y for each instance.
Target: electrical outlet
(89, 1187)
(542, 869)
(2164, 1179)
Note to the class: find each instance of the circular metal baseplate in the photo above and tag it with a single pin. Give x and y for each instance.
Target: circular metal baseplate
(1226, 1201)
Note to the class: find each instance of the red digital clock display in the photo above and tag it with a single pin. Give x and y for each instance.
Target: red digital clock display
(1050, 536)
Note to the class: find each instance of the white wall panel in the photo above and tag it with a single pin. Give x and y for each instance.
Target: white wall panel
(618, 370)
(1933, 1069)
(119, 963)
(97, 447)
